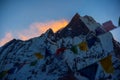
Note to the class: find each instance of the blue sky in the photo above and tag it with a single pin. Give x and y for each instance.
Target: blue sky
(17, 15)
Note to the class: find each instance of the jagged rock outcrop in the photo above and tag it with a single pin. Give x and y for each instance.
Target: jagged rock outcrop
(76, 27)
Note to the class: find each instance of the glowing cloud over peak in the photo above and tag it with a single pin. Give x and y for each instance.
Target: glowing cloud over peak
(35, 29)
(55, 25)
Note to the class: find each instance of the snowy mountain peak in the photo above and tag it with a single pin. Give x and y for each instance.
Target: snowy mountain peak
(89, 18)
(79, 51)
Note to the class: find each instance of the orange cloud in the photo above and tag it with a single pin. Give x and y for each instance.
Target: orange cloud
(35, 29)
(7, 38)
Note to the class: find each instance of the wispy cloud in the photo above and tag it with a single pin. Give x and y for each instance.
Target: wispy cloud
(35, 29)
(6, 38)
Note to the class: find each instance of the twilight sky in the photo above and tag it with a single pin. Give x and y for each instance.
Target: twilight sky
(24, 19)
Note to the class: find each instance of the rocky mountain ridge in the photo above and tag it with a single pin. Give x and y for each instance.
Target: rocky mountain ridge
(82, 50)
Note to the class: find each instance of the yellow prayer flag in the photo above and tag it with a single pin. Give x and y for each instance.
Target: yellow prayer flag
(83, 46)
(106, 63)
(39, 56)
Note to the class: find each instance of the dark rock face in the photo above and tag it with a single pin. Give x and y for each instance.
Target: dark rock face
(74, 28)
